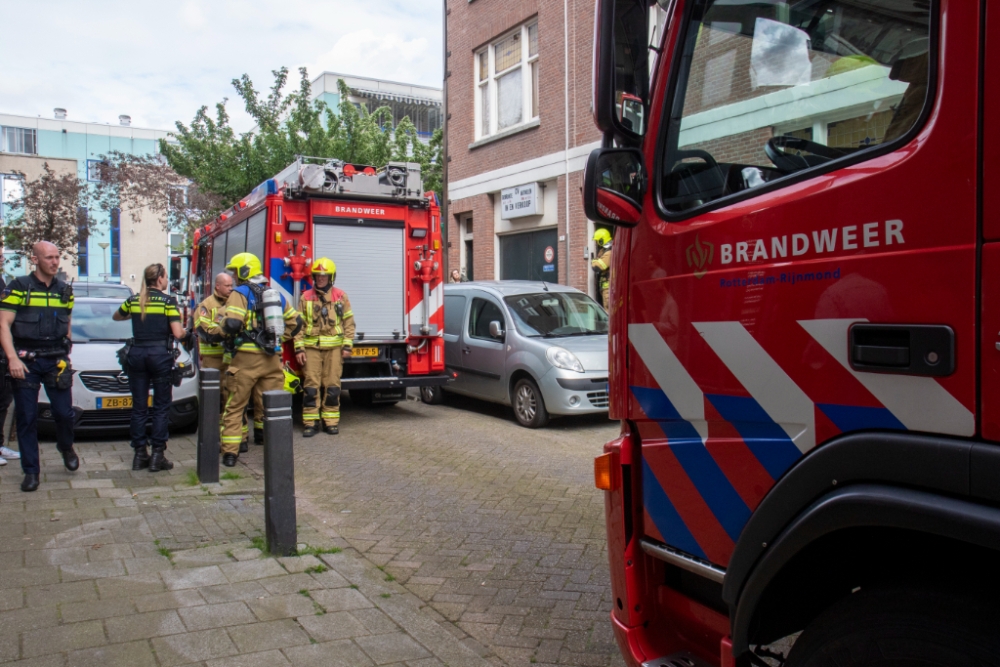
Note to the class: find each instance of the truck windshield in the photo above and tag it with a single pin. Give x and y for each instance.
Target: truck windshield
(766, 89)
(554, 314)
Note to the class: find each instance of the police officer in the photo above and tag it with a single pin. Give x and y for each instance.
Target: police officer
(602, 265)
(256, 362)
(212, 352)
(35, 312)
(328, 334)
(156, 322)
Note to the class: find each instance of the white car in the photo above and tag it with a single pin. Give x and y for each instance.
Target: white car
(101, 397)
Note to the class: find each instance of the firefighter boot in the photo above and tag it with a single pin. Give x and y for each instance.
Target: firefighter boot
(244, 447)
(158, 460)
(229, 460)
(141, 458)
(331, 411)
(308, 429)
(258, 436)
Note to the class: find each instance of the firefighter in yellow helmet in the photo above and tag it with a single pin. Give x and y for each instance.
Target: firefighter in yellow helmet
(328, 335)
(259, 320)
(602, 265)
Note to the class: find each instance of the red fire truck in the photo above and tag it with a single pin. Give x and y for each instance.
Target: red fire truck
(805, 302)
(384, 234)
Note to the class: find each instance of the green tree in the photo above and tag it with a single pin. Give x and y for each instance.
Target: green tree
(227, 164)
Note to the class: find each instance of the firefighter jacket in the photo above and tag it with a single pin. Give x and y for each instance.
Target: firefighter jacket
(328, 320)
(208, 318)
(603, 264)
(238, 308)
(42, 312)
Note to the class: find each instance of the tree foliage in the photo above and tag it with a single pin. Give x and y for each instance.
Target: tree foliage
(51, 209)
(230, 165)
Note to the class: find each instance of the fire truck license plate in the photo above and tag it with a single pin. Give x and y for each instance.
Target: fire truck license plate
(364, 352)
(116, 402)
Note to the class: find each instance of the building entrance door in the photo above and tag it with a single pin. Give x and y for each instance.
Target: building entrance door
(530, 256)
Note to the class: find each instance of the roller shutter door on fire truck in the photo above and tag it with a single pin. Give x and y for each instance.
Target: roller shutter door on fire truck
(369, 258)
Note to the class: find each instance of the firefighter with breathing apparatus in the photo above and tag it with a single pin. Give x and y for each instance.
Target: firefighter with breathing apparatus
(328, 335)
(602, 265)
(259, 320)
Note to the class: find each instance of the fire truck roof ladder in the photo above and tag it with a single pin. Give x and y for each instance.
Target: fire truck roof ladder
(396, 182)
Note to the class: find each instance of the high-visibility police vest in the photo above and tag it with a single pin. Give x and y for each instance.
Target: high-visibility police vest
(319, 330)
(42, 312)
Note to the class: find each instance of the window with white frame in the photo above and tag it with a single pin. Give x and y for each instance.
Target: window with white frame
(94, 170)
(507, 82)
(18, 140)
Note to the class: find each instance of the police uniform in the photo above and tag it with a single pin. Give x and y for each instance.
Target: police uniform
(41, 331)
(252, 368)
(603, 264)
(150, 362)
(327, 330)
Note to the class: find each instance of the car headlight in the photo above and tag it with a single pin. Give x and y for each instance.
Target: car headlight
(560, 357)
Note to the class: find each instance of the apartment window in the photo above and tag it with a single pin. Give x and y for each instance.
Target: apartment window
(11, 189)
(82, 234)
(94, 170)
(507, 82)
(18, 140)
(116, 241)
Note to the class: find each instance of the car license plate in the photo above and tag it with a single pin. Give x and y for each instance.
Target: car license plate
(364, 352)
(116, 402)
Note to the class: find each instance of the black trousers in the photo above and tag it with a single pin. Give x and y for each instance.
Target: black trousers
(26, 413)
(149, 367)
(6, 396)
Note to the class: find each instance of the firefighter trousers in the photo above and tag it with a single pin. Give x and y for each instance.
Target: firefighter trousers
(321, 399)
(249, 375)
(218, 363)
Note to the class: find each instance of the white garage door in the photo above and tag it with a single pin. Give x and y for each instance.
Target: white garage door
(369, 259)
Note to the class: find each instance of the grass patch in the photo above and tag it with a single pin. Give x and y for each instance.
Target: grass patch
(166, 553)
(316, 569)
(313, 641)
(259, 542)
(229, 474)
(156, 497)
(386, 595)
(156, 542)
(389, 577)
(191, 478)
(354, 587)
(304, 593)
(381, 567)
(318, 551)
(230, 554)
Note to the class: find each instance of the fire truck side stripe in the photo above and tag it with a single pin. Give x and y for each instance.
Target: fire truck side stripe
(777, 394)
(855, 417)
(767, 440)
(665, 515)
(416, 314)
(681, 390)
(919, 403)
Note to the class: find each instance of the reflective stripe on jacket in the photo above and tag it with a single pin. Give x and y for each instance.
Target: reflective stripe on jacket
(330, 330)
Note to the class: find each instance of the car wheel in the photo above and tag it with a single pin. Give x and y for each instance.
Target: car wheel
(529, 408)
(900, 628)
(432, 395)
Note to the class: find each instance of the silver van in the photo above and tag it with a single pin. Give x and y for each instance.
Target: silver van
(539, 347)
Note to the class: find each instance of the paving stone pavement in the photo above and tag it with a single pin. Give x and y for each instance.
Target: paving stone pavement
(462, 539)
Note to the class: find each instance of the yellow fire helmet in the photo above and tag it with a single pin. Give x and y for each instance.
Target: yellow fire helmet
(602, 237)
(292, 381)
(245, 266)
(324, 266)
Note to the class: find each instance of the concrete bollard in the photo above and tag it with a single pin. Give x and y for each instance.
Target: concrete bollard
(279, 475)
(208, 426)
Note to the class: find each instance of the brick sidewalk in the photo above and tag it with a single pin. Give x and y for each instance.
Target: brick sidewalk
(108, 567)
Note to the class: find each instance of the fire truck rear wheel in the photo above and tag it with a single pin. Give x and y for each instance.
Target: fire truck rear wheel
(432, 395)
(901, 628)
(529, 406)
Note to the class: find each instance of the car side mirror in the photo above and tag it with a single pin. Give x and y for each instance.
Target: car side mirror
(613, 186)
(496, 331)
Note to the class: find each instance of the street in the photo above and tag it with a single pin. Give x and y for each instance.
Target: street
(428, 535)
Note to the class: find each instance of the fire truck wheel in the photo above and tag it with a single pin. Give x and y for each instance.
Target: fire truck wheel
(361, 397)
(901, 627)
(529, 408)
(432, 395)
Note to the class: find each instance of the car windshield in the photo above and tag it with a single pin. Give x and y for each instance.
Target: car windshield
(102, 291)
(552, 314)
(92, 323)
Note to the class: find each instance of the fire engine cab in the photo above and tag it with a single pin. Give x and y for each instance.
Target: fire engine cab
(805, 306)
(383, 233)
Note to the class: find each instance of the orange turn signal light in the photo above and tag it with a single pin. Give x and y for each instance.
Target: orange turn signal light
(602, 472)
(277, 237)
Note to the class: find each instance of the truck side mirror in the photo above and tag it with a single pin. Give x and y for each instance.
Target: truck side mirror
(621, 68)
(496, 331)
(613, 186)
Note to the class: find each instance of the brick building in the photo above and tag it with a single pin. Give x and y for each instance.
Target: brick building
(519, 130)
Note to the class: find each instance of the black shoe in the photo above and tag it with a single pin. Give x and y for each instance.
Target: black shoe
(308, 431)
(141, 458)
(332, 430)
(244, 447)
(30, 482)
(258, 436)
(229, 460)
(70, 460)
(158, 460)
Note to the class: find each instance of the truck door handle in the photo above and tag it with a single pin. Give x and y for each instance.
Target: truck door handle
(909, 349)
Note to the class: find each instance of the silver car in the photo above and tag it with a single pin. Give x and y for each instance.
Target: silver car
(539, 347)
